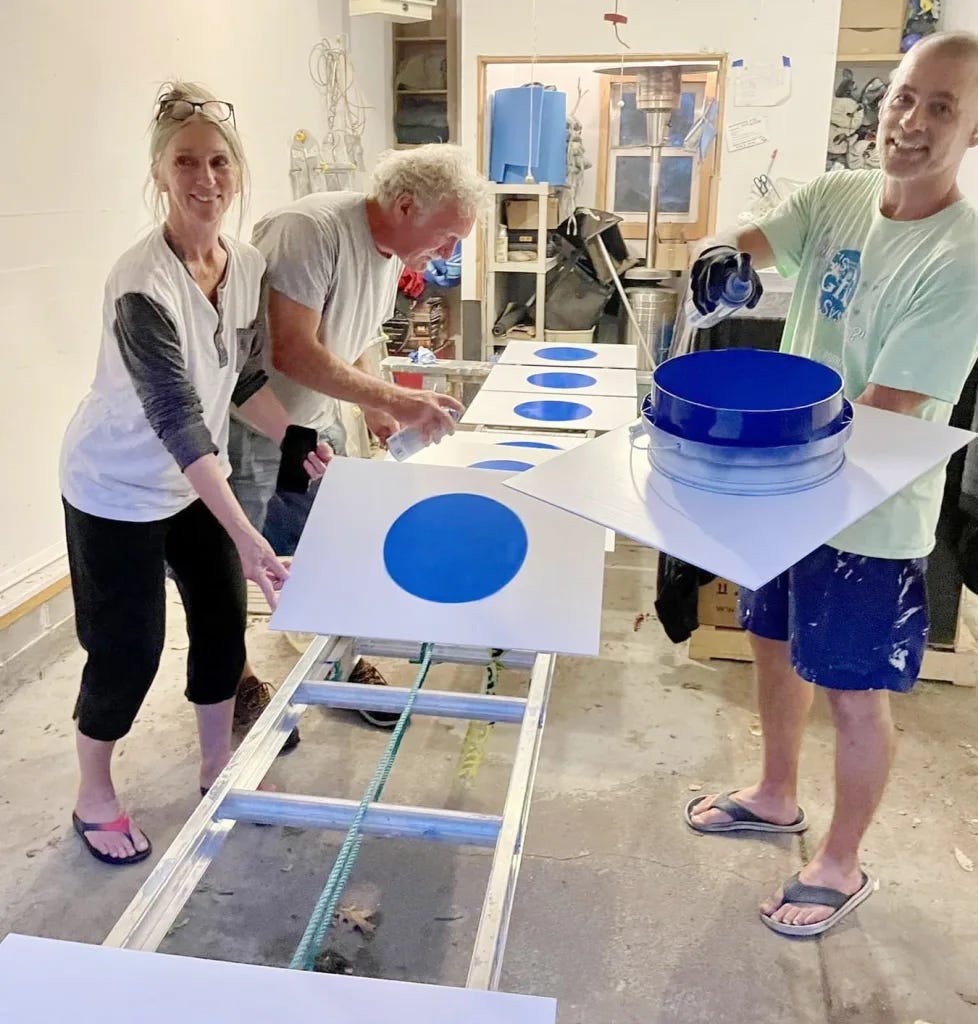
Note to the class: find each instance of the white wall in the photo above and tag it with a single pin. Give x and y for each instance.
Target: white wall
(79, 81)
(804, 30)
(963, 15)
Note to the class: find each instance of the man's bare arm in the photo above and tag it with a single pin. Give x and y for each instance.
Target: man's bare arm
(297, 352)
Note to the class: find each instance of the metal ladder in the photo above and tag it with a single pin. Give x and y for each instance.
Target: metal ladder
(234, 797)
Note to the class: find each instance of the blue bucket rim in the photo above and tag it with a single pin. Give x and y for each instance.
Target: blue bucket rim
(765, 353)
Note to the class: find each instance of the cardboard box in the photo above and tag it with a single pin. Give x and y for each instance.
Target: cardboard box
(873, 14)
(870, 41)
(523, 214)
(717, 605)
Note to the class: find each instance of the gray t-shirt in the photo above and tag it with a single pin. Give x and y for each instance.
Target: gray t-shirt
(321, 254)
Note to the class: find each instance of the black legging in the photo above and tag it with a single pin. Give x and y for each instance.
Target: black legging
(117, 576)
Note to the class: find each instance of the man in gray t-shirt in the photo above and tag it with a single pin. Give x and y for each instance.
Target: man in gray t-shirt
(334, 260)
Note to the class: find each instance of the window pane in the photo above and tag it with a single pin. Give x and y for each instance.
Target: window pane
(633, 125)
(682, 119)
(632, 184)
(675, 184)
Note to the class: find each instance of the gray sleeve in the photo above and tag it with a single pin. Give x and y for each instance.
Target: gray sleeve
(300, 254)
(150, 348)
(252, 377)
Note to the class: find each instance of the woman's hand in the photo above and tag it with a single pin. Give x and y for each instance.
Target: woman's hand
(316, 461)
(260, 563)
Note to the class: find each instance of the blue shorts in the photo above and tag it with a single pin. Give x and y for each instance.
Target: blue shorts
(852, 622)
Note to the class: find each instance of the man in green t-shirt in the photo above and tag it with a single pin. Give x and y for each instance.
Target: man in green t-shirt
(886, 267)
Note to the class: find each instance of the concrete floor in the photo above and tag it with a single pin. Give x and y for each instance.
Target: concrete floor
(622, 913)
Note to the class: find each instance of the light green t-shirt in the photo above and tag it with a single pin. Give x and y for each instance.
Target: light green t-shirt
(885, 302)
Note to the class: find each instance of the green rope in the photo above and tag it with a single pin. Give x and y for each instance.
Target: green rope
(304, 958)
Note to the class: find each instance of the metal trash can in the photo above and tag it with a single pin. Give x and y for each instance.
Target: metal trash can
(655, 311)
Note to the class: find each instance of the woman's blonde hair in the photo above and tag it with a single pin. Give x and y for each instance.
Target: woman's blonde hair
(165, 127)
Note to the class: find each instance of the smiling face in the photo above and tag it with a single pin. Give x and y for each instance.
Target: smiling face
(198, 174)
(929, 117)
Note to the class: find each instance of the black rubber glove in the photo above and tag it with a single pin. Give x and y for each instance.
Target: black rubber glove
(711, 272)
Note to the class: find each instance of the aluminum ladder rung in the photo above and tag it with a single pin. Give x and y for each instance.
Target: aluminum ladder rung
(476, 707)
(405, 650)
(391, 821)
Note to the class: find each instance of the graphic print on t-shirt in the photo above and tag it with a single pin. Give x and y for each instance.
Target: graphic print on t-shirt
(839, 284)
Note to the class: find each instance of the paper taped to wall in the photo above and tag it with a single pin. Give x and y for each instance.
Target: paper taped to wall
(745, 134)
(761, 83)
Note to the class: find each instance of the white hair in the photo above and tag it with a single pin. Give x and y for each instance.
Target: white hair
(434, 175)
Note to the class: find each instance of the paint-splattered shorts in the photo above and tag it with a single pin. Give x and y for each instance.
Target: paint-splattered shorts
(853, 623)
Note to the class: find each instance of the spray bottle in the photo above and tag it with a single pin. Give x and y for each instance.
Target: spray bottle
(408, 442)
(736, 291)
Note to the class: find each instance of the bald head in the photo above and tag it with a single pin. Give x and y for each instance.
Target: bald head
(929, 117)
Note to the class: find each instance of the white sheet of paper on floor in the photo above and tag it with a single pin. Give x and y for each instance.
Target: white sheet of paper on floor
(748, 540)
(442, 554)
(47, 980)
(535, 353)
(556, 382)
(571, 412)
(459, 451)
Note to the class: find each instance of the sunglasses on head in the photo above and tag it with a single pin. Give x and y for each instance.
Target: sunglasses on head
(180, 110)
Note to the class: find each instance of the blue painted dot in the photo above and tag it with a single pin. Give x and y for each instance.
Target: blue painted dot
(479, 548)
(549, 409)
(565, 353)
(528, 444)
(562, 380)
(511, 464)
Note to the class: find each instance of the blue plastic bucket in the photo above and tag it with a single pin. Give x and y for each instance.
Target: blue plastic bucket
(739, 469)
(516, 145)
(745, 397)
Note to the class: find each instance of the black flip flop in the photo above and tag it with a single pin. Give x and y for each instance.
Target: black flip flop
(743, 820)
(842, 903)
(121, 824)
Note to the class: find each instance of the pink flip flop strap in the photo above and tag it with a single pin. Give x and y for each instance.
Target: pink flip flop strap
(121, 824)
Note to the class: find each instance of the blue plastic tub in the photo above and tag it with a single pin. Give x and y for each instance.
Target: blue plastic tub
(746, 421)
(747, 397)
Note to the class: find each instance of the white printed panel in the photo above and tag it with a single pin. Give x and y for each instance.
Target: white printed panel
(748, 540)
(573, 412)
(508, 457)
(47, 980)
(560, 381)
(443, 554)
(570, 356)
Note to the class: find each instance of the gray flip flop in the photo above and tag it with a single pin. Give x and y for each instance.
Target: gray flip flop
(743, 820)
(795, 891)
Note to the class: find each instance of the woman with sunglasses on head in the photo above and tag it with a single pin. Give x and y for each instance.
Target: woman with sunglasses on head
(144, 462)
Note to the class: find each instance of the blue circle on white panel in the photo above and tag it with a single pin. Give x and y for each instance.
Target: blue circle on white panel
(565, 353)
(528, 444)
(478, 548)
(508, 464)
(550, 409)
(562, 379)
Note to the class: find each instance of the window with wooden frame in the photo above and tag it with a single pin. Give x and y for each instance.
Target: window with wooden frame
(624, 159)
